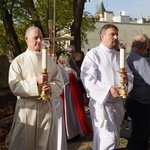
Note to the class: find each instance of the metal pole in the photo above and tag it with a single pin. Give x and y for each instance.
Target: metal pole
(54, 22)
(47, 17)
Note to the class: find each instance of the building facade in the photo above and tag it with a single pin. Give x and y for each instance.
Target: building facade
(126, 32)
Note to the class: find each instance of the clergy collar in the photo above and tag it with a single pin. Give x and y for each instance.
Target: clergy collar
(106, 48)
(33, 52)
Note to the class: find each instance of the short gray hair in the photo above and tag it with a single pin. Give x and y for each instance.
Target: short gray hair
(107, 26)
(140, 41)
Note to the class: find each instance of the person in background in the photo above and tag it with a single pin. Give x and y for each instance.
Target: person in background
(76, 122)
(138, 100)
(62, 138)
(147, 54)
(79, 56)
(72, 61)
(101, 79)
(72, 124)
(35, 121)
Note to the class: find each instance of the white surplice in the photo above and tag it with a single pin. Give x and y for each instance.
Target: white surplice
(35, 123)
(100, 71)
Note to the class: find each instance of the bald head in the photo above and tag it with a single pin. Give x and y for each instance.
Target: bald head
(33, 38)
(30, 29)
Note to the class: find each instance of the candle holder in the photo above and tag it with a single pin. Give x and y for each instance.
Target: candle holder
(43, 95)
(122, 90)
(45, 47)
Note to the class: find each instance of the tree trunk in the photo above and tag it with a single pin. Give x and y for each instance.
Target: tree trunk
(11, 34)
(76, 26)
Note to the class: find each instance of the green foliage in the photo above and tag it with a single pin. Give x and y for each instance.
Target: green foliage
(4, 46)
(88, 22)
(25, 11)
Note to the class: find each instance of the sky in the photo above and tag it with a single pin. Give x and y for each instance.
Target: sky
(132, 8)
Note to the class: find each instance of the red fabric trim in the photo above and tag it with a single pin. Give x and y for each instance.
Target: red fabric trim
(79, 104)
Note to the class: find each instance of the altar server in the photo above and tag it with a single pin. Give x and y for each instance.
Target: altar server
(101, 78)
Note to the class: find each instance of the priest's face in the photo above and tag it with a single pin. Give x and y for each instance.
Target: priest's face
(110, 38)
(34, 39)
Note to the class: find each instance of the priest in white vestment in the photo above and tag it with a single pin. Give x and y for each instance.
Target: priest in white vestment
(35, 121)
(101, 78)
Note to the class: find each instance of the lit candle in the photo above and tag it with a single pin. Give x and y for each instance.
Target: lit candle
(44, 58)
(122, 58)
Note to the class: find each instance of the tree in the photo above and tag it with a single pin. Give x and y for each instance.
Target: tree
(78, 7)
(29, 7)
(11, 12)
(17, 15)
(9, 28)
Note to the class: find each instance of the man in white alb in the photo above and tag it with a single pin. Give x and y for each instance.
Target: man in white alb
(100, 76)
(35, 121)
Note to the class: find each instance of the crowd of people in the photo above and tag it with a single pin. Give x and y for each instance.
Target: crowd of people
(73, 77)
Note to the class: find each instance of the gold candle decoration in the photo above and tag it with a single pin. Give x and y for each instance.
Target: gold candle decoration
(122, 90)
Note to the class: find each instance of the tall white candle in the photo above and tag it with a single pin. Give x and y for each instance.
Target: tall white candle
(122, 58)
(44, 58)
